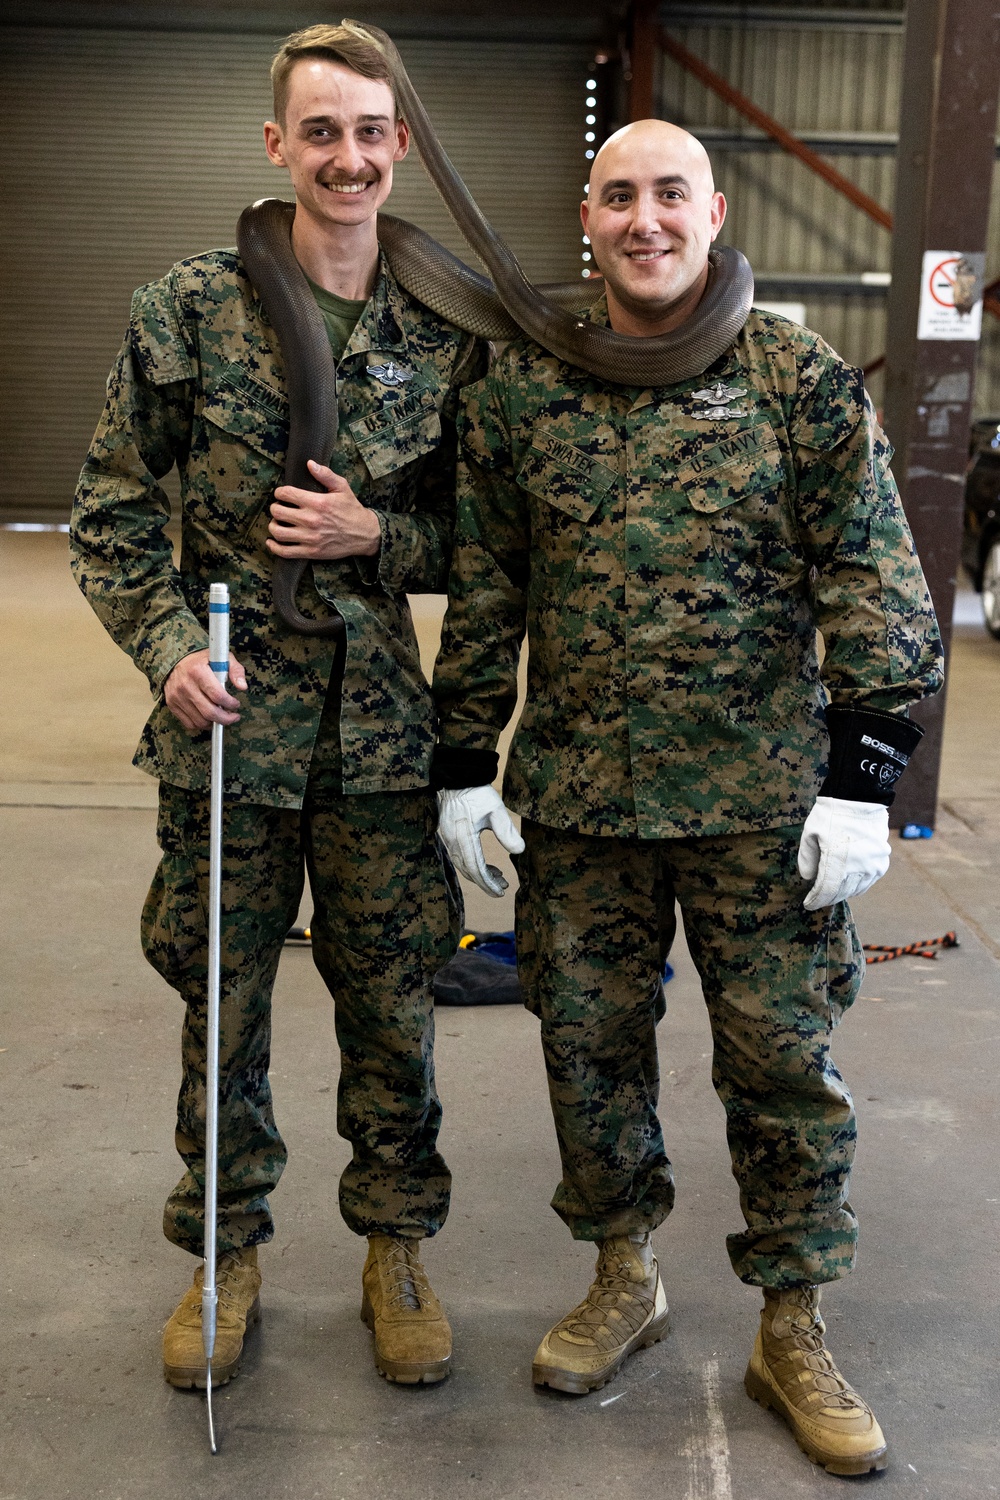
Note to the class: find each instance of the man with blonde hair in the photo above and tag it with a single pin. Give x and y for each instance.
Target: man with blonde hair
(328, 749)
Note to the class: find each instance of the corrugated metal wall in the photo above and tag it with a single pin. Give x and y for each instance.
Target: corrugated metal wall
(133, 149)
(817, 79)
(129, 149)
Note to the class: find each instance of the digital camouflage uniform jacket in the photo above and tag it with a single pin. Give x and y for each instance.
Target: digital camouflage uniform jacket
(199, 382)
(671, 553)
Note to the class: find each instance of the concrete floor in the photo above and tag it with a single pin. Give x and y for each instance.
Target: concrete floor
(89, 1065)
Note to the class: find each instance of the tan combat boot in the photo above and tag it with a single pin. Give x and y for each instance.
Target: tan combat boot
(792, 1372)
(412, 1336)
(625, 1310)
(238, 1281)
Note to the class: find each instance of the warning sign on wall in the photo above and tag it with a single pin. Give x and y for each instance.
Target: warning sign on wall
(951, 295)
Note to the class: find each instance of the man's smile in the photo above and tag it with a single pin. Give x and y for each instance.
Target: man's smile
(348, 187)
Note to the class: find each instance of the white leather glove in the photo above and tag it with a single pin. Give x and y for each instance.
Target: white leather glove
(844, 849)
(462, 816)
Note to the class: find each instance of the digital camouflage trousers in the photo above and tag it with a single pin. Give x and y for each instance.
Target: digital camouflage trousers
(595, 920)
(385, 918)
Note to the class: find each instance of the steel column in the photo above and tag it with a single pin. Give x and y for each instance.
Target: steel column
(948, 113)
(643, 54)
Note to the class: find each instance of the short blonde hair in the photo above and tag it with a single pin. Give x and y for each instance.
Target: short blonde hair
(345, 44)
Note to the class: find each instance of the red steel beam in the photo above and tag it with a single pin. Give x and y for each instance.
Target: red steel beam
(791, 143)
(799, 149)
(771, 127)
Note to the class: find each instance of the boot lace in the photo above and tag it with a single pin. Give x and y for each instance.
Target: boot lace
(805, 1332)
(406, 1284)
(610, 1282)
(230, 1278)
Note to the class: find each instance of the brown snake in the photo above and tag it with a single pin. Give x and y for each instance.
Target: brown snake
(506, 307)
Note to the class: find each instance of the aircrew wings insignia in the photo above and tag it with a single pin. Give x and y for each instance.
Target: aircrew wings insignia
(390, 373)
(719, 394)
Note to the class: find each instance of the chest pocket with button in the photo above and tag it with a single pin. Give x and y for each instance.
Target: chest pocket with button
(739, 488)
(242, 422)
(397, 434)
(567, 488)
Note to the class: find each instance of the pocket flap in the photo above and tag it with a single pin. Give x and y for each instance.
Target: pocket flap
(248, 410)
(397, 434)
(561, 474)
(735, 469)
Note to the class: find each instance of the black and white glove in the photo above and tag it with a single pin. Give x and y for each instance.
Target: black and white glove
(467, 806)
(462, 817)
(844, 846)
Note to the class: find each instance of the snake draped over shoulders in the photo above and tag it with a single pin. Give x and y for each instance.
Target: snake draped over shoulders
(506, 307)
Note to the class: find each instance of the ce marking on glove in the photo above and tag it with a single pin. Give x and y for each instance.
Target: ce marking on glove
(886, 774)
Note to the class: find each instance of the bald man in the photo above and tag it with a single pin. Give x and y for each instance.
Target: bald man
(671, 553)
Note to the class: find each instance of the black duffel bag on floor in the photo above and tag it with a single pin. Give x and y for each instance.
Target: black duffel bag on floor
(482, 972)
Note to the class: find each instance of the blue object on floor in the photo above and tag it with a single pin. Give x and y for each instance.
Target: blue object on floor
(668, 973)
(916, 831)
(498, 945)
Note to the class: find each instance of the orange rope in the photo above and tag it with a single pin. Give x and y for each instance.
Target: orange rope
(923, 948)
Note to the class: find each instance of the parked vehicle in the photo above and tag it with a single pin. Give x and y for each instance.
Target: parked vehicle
(981, 533)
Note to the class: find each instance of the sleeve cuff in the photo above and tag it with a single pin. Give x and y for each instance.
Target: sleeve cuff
(159, 652)
(869, 751)
(454, 768)
(369, 569)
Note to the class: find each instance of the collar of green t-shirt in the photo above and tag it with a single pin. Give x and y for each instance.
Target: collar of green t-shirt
(339, 314)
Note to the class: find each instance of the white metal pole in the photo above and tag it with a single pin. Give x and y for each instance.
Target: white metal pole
(218, 660)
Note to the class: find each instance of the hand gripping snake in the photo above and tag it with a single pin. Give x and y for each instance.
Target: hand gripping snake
(504, 308)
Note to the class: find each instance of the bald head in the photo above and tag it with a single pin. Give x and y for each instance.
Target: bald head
(656, 144)
(651, 215)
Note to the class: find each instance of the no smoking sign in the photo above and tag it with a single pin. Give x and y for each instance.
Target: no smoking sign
(951, 295)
